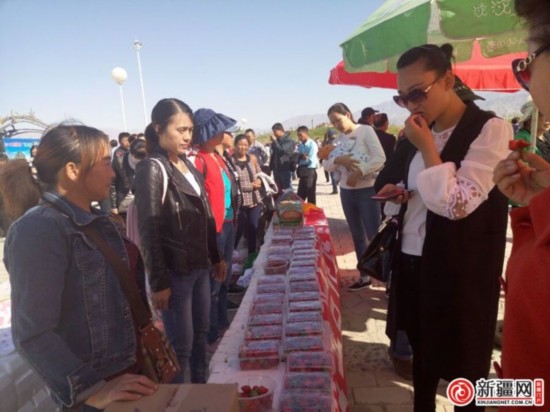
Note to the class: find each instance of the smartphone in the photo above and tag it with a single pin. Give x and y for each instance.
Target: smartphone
(388, 195)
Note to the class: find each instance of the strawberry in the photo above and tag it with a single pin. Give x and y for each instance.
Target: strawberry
(263, 390)
(517, 144)
(246, 389)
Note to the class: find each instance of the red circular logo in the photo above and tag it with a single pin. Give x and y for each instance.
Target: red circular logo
(460, 392)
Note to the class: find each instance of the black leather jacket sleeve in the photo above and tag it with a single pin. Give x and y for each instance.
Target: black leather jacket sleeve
(148, 200)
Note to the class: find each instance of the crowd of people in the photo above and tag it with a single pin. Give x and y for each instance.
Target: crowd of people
(198, 191)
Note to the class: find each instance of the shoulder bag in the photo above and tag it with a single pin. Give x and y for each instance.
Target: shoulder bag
(377, 259)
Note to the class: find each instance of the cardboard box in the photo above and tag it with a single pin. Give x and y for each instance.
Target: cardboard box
(211, 397)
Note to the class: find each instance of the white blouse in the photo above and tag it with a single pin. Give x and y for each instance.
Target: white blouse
(363, 145)
(449, 192)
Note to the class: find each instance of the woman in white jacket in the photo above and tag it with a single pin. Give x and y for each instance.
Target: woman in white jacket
(357, 158)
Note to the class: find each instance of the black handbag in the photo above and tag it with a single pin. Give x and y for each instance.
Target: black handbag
(377, 259)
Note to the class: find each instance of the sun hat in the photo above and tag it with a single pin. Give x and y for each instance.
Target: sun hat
(208, 123)
(527, 110)
(464, 92)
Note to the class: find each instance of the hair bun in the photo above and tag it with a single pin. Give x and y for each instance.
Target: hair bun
(447, 50)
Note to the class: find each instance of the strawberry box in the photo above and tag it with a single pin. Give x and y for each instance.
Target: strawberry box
(265, 308)
(269, 319)
(259, 354)
(304, 317)
(304, 329)
(264, 280)
(263, 332)
(271, 288)
(304, 286)
(307, 306)
(269, 297)
(303, 296)
(309, 362)
(299, 401)
(303, 343)
(308, 381)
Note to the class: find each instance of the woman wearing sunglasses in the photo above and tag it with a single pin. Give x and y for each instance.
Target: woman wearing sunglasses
(445, 286)
(525, 178)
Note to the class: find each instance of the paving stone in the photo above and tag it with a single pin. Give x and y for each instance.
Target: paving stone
(360, 379)
(366, 408)
(378, 396)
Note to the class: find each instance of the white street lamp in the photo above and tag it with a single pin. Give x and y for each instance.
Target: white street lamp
(137, 47)
(119, 75)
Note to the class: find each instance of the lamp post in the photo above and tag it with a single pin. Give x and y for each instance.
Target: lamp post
(137, 47)
(119, 75)
(243, 122)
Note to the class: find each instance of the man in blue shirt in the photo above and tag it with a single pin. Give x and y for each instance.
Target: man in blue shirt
(307, 165)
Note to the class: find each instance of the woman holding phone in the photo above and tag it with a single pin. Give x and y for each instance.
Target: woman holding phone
(445, 286)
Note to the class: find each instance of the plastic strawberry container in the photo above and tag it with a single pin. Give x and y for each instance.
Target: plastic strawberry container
(251, 392)
(308, 381)
(300, 401)
(304, 343)
(264, 332)
(309, 362)
(259, 354)
(277, 266)
(264, 280)
(265, 308)
(303, 286)
(271, 288)
(307, 306)
(269, 297)
(269, 319)
(302, 277)
(304, 317)
(303, 296)
(303, 328)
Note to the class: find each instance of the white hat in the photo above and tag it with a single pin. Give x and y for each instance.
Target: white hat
(527, 110)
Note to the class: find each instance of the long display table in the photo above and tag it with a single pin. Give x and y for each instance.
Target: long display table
(224, 366)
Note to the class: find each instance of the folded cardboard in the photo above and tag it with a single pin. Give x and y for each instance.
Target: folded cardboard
(211, 397)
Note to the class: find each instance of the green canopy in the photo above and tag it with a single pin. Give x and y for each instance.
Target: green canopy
(399, 25)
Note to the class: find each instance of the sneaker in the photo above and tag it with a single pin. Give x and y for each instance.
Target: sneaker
(334, 192)
(235, 289)
(232, 305)
(360, 285)
(403, 367)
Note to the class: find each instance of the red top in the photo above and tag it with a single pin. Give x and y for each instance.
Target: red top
(213, 183)
(526, 335)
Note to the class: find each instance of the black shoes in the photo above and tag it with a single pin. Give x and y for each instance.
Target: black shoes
(403, 367)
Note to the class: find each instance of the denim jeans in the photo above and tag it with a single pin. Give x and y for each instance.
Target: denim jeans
(186, 323)
(249, 218)
(362, 215)
(283, 179)
(218, 290)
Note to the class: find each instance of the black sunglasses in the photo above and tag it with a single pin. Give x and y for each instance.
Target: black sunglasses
(416, 96)
(521, 70)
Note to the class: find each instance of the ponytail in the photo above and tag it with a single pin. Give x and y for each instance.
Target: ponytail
(19, 188)
(151, 139)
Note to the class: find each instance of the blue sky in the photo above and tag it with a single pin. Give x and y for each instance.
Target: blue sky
(262, 61)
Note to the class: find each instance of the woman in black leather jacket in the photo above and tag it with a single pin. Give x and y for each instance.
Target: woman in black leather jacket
(178, 235)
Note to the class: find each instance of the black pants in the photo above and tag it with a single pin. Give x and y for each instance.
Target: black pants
(307, 186)
(425, 379)
(248, 223)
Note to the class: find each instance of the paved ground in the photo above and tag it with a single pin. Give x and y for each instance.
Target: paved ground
(372, 384)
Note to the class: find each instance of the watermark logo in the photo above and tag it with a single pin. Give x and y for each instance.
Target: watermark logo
(497, 392)
(460, 392)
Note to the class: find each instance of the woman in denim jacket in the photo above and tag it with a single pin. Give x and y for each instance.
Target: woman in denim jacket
(70, 318)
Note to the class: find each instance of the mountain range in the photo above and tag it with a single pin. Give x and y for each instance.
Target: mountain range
(505, 105)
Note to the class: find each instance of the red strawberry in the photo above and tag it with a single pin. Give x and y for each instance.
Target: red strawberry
(517, 144)
(263, 390)
(246, 389)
